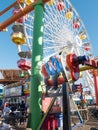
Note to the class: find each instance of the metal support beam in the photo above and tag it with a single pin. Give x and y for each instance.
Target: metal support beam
(86, 68)
(9, 7)
(48, 110)
(20, 14)
(66, 108)
(96, 88)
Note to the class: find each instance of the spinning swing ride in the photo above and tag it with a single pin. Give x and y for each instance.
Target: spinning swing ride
(64, 33)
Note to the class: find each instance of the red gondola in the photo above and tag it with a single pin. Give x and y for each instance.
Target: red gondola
(76, 24)
(87, 48)
(20, 20)
(24, 64)
(15, 11)
(60, 5)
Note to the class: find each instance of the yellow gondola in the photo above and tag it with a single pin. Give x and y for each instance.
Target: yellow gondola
(50, 2)
(28, 2)
(82, 35)
(69, 13)
(18, 38)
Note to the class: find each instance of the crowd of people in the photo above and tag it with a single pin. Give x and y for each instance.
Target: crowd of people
(17, 110)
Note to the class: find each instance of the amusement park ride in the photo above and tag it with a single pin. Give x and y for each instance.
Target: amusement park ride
(61, 49)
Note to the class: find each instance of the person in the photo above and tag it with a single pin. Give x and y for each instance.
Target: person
(22, 107)
(23, 111)
(18, 106)
(6, 111)
(13, 107)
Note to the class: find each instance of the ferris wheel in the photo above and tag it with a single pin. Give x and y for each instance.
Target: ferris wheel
(63, 30)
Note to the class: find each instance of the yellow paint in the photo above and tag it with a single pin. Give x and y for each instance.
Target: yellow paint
(69, 15)
(83, 36)
(85, 68)
(28, 2)
(50, 2)
(18, 38)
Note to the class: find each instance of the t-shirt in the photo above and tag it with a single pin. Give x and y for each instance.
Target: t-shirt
(6, 111)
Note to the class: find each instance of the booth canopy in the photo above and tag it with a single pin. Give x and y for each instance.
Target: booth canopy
(9, 76)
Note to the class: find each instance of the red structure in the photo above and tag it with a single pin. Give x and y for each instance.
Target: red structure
(95, 74)
(73, 66)
(76, 24)
(73, 62)
(24, 64)
(60, 5)
(96, 87)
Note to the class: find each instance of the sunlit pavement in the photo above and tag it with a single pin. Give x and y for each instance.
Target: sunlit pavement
(4, 126)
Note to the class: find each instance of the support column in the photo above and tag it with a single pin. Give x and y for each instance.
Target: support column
(96, 88)
(37, 52)
(66, 108)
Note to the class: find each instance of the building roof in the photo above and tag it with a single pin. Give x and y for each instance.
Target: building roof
(8, 76)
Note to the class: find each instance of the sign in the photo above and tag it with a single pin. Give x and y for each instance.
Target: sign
(26, 88)
(15, 91)
(53, 72)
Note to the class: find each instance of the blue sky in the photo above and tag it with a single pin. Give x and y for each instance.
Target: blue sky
(87, 10)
